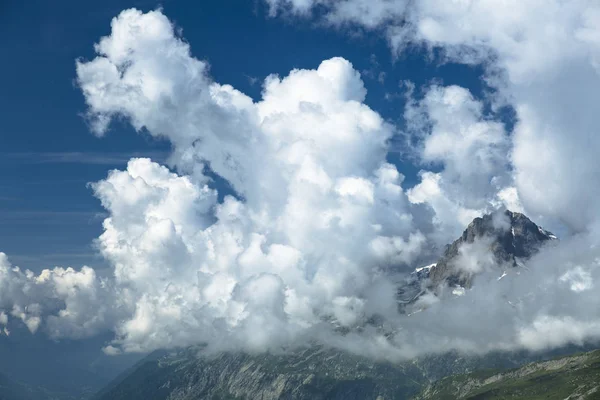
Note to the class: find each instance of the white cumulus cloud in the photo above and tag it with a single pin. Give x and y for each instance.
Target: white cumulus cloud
(319, 212)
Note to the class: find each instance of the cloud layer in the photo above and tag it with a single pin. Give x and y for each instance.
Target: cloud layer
(319, 225)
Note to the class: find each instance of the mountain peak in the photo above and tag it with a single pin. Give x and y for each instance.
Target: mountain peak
(509, 236)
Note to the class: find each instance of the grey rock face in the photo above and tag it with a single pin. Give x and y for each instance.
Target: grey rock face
(505, 239)
(313, 373)
(509, 237)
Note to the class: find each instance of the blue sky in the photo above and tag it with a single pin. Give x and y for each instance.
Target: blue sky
(48, 215)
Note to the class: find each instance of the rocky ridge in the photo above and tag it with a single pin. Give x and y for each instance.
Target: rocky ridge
(508, 238)
(313, 373)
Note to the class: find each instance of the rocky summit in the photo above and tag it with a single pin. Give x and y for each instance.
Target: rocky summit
(510, 237)
(506, 240)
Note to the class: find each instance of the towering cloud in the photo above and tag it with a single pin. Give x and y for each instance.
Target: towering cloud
(318, 211)
(453, 133)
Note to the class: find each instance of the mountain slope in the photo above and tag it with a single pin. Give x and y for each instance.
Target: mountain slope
(510, 237)
(573, 377)
(507, 238)
(313, 373)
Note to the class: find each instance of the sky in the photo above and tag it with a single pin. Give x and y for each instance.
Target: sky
(48, 214)
(255, 174)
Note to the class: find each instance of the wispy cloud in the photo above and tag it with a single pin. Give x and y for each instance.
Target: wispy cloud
(77, 157)
(37, 216)
(49, 260)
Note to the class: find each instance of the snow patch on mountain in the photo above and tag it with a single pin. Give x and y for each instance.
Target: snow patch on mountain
(426, 267)
(458, 291)
(546, 233)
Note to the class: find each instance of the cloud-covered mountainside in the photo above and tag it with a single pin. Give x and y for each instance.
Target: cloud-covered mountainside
(317, 372)
(321, 230)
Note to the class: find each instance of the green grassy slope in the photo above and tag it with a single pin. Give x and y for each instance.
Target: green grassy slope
(573, 377)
